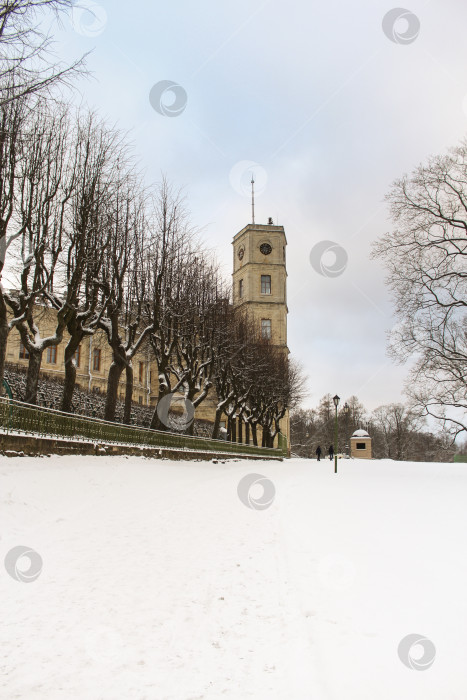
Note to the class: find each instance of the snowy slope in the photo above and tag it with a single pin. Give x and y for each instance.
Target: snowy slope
(158, 583)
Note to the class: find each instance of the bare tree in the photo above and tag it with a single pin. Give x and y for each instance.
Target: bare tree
(26, 65)
(123, 222)
(96, 149)
(47, 178)
(135, 320)
(171, 251)
(397, 424)
(282, 388)
(201, 310)
(13, 119)
(236, 372)
(426, 258)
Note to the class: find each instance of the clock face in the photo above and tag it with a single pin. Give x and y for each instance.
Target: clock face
(241, 253)
(265, 248)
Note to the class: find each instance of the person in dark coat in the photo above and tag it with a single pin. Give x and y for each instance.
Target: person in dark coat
(331, 452)
(318, 453)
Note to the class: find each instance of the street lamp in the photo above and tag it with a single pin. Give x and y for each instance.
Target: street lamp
(336, 400)
(346, 411)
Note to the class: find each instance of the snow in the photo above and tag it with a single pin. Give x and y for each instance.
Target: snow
(159, 583)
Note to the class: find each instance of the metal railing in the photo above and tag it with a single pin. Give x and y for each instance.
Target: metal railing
(20, 417)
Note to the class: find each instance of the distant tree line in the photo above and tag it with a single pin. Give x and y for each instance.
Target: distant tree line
(82, 235)
(397, 431)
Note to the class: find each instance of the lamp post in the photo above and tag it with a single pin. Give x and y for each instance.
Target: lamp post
(336, 400)
(346, 411)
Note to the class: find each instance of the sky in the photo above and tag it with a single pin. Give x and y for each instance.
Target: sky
(327, 103)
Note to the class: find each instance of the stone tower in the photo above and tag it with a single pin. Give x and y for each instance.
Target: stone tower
(260, 278)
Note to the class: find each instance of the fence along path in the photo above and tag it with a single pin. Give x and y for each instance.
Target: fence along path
(21, 417)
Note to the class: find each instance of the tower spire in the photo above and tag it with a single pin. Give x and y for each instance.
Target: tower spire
(252, 198)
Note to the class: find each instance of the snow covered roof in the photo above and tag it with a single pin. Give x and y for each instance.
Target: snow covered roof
(360, 433)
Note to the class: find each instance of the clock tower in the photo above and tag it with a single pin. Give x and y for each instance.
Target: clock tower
(260, 278)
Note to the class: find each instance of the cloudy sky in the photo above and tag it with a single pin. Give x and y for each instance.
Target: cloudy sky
(327, 102)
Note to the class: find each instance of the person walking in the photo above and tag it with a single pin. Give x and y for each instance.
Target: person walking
(318, 453)
(331, 452)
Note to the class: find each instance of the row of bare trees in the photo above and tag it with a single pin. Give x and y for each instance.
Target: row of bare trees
(85, 238)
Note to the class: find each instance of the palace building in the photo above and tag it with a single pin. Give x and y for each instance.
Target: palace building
(259, 283)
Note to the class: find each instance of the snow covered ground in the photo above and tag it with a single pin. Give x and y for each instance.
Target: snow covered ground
(159, 583)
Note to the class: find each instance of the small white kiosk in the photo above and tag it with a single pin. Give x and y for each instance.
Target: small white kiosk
(360, 445)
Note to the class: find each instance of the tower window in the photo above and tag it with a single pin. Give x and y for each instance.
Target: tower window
(141, 372)
(265, 284)
(240, 289)
(23, 353)
(266, 328)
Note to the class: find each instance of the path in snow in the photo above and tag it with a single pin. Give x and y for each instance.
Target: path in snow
(159, 584)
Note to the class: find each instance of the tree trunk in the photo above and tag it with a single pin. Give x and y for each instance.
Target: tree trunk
(247, 433)
(240, 430)
(217, 424)
(156, 423)
(191, 428)
(70, 374)
(115, 373)
(4, 330)
(254, 434)
(233, 434)
(128, 394)
(266, 442)
(32, 379)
